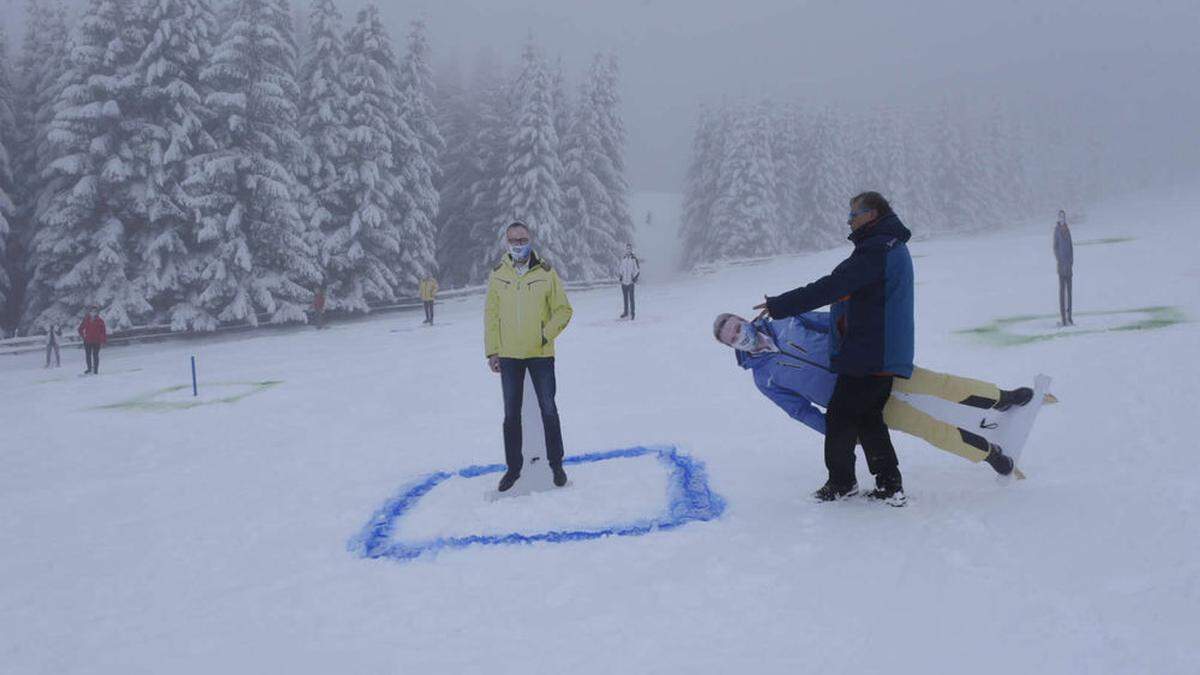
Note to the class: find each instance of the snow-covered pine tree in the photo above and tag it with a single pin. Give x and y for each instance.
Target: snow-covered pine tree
(41, 67)
(365, 253)
(36, 82)
(903, 172)
(416, 148)
(709, 145)
(787, 154)
(258, 256)
(174, 118)
(587, 213)
(295, 151)
(529, 189)
(1000, 159)
(81, 255)
(959, 202)
(745, 221)
(596, 217)
(457, 120)
(870, 147)
(227, 12)
(826, 186)
(561, 103)
(1011, 145)
(8, 141)
(607, 100)
(323, 125)
(916, 205)
(979, 139)
(497, 110)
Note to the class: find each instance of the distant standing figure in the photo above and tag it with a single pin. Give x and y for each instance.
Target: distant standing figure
(319, 307)
(628, 271)
(94, 334)
(53, 335)
(429, 289)
(1064, 252)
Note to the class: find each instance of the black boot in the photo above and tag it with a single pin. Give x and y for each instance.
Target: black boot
(889, 488)
(832, 492)
(1013, 397)
(507, 480)
(560, 476)
(1001, 462)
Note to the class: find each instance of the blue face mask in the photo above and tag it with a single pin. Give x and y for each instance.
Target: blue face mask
(747, 338)
(520, 252)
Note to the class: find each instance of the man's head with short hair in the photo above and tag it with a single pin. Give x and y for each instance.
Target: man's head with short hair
(518, 226)
(866, 208)
(518, 238)
(727, 328)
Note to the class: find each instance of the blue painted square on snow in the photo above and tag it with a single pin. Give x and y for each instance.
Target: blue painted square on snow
(689, 499)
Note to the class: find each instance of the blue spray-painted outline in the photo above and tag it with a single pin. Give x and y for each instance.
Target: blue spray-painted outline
(689, 499)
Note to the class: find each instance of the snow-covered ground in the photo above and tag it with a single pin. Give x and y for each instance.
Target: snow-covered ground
(142, 534)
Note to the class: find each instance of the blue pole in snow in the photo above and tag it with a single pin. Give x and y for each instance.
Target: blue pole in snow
(194, 393)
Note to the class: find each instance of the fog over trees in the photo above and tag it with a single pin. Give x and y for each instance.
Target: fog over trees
(195, 163)
(771, 178)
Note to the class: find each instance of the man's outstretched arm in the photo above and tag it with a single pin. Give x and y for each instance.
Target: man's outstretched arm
(846, 278)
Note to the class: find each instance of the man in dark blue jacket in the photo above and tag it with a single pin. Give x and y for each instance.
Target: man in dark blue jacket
(871, 294)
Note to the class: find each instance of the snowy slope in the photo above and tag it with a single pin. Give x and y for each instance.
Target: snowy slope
(150, 538)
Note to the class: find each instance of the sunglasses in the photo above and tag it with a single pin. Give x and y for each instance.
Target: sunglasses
(855, 214)
(519, 242)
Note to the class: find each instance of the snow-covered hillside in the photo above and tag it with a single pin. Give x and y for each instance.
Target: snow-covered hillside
(145, 531)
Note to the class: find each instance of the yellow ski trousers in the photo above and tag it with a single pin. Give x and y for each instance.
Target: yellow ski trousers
(903, 416)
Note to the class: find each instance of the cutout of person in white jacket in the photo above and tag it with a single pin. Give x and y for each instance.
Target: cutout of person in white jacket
(53, 336)
(628, 271)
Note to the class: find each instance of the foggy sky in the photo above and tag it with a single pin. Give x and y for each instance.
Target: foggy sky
(1129, 69)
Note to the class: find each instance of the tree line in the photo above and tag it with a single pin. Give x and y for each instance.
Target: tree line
(766, 179)
(195, 163)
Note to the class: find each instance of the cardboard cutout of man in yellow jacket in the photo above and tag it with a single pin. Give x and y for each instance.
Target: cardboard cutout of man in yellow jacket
(428, 290)
(526, 310)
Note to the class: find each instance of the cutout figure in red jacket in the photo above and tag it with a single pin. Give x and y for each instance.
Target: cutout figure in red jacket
(94, 334)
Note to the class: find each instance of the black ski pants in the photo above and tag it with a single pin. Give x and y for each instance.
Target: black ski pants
(630, 303)
(91, 352)
(854, 415)
(1064, 298)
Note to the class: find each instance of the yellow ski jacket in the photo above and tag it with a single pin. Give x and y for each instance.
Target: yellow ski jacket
(429, 289)
(524, 313)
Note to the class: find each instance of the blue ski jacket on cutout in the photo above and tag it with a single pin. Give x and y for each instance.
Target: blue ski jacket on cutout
(871, 294)
(797, 377)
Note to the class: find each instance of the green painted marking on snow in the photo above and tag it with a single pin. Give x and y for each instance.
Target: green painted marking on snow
(1103, 242)
(150, 402)
(1149, 318)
